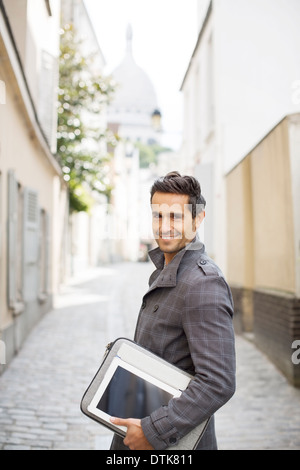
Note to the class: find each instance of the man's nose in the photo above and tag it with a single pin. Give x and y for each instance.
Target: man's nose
(165, 224)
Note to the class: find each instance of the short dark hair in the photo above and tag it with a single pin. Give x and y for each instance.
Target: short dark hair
(174, 183)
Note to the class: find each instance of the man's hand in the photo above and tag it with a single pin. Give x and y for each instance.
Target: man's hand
(135, 438)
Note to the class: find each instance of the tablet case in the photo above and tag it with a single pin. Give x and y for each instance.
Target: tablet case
(146, 361)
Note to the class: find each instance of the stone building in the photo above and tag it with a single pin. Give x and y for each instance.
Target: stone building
(241, 81)
(33, 195)
(135, 117)
(89, 244)
(134, 112)
(263, 228)
(241, 139)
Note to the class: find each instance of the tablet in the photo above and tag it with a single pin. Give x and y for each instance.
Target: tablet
(128, 392)
(132, 382)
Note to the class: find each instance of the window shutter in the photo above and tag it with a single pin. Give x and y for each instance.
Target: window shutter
(12, 238)
(2, 353)
(44, 248)
(1, 225)
(47, 253)
(31, 245)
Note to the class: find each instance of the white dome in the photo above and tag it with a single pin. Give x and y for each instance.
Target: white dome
(135, 93)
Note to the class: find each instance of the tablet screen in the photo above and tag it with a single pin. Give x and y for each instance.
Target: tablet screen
(130, 396)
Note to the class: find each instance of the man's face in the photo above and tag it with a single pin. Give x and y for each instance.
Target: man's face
(172, 222)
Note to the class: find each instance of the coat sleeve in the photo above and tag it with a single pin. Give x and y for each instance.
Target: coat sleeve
(207, 323)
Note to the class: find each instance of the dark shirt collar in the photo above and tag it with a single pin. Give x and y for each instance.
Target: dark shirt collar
(158, 258)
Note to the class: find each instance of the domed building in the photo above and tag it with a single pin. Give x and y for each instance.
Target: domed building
(134, 116)
(134, 113)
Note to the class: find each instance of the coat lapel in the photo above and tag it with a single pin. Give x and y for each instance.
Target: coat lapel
(167, 277)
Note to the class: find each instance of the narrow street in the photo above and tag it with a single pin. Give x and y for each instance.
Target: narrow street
(40, 392)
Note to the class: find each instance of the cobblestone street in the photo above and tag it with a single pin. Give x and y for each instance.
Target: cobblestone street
(40, 391)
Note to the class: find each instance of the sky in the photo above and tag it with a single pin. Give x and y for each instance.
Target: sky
(164, 37)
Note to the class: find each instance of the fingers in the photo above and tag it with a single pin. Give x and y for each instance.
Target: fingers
(135, 438)
(120, 421)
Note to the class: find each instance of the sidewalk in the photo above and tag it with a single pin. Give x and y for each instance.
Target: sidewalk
(40, 392)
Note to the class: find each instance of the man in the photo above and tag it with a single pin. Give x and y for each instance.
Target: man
(185, 318)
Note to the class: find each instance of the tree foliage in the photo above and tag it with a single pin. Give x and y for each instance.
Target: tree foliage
(81, 134)
(149, 153)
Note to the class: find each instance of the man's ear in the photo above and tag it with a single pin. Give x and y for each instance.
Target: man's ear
(199, 219)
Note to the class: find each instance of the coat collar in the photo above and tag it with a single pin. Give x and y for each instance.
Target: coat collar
(168, 275)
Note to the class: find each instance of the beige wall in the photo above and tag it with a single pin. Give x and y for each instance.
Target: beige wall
(240, 226)
(25, 154)
(24, 150)
(17, 14)
(20, 151)
(273, 212)
(260, 214)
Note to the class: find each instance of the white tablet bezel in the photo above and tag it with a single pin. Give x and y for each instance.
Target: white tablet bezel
(118, 362)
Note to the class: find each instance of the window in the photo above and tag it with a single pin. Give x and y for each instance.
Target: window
(44, 256)
(15, 245)
(28, 247)
(1, 227)
(31, 245)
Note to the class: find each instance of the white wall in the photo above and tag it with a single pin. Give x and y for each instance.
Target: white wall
(257, 64)
(244, 78)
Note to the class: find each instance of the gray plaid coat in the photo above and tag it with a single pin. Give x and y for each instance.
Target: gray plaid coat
(186, 318)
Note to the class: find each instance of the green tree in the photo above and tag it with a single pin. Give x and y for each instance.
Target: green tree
(81, 96)
(149, 153)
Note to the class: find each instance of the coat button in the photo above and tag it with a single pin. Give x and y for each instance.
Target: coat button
(203, 262)
(156, 307)
(172, 440)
